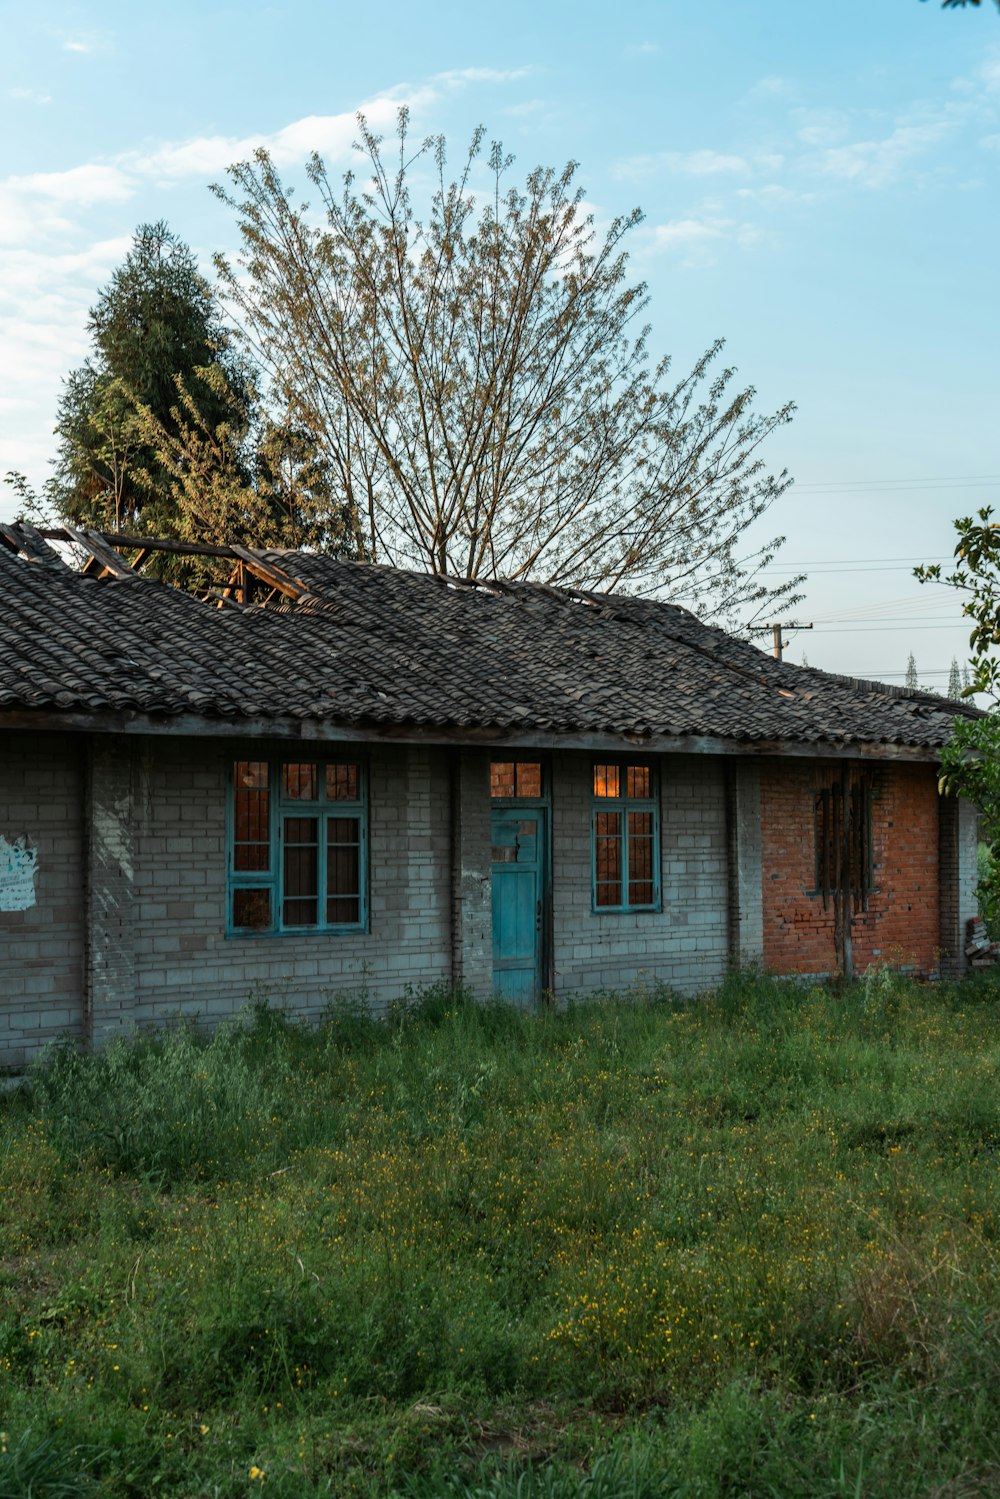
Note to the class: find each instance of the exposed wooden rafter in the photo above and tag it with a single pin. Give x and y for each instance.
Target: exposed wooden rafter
(102, 558)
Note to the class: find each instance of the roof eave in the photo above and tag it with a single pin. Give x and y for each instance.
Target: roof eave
(328, 731)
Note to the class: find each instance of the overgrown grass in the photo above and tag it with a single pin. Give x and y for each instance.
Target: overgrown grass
(743, 1246)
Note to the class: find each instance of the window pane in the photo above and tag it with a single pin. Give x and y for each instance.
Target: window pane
(608, 859)
(251, 856)
(836, 842)
(529, 778)
(251, 773)
(342, 783)
(301, 890)
(638, 780)
(606, 780)
(252, 910)
(640, 859)
(299, 781)
(251, 835)
(343, 870)
(343, 830)
(343, 911)
(502, 778)
(608, 824)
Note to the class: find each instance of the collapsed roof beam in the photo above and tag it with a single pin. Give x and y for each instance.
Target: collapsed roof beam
(103, 559)
(101, 546)
(31, 545)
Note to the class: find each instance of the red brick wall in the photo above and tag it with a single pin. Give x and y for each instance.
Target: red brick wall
(901, 924)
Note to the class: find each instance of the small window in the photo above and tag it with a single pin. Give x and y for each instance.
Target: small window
(844, 850)
(297, 850)
(251, 816)
(625, 837)
(516, 780)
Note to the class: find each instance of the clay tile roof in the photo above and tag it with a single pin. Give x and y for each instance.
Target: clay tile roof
(369, 646)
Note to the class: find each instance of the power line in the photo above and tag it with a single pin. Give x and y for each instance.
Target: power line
(883, 620)
(865, 629)
(958, 481)
(822, 561)
(893, 613)
(818, 570)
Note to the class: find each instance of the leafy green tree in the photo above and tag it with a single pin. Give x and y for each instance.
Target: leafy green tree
(970, 763)
(250, 478)
(960, 4)
(476, 375)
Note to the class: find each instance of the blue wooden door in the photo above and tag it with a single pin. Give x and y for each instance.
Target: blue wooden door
(518, 903)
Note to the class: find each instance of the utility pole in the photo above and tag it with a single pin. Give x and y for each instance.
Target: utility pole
(776, 629)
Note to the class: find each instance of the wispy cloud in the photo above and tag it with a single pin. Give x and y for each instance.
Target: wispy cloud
(821, 127)
(333, 136)
(29, 95)
(457, 77)
(696, 240)
(877, 163)
(642, 49)
(774, 87)
(44, 300)
(989, 73)
(84, 45)
(680, 233)
(40, 204)
(43, 203)
(775, 194)
(206, 155)
(702, 163)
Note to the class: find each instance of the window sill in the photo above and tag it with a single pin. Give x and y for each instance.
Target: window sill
(245, 934)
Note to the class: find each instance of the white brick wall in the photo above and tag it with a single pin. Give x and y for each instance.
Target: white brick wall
(157, 882)
(184, 962)
(684, 945)
(42, 948)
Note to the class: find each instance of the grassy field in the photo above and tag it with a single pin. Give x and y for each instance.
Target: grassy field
(748, 1246)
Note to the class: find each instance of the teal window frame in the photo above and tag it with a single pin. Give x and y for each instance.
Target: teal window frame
(543, 798)
(282, 807)
(624, 805)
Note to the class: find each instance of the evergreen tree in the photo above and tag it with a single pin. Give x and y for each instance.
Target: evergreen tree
(910, 681)
(164, 432)
(155, 321)
(954, 679)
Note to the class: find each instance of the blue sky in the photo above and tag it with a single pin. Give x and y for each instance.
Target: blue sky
(820, 184)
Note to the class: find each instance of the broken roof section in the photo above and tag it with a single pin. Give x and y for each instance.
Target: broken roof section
(304, 645)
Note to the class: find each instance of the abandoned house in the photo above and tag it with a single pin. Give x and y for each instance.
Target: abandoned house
(309, 778)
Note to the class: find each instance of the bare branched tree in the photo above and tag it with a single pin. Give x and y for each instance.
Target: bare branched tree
(479, 380)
